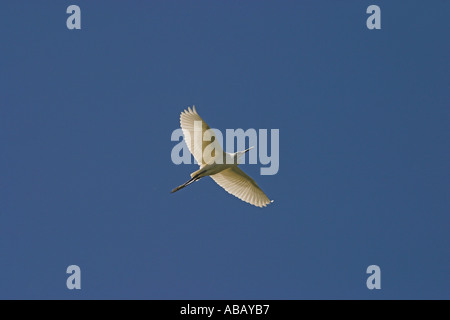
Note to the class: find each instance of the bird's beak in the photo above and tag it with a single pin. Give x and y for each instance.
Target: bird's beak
(248, 149)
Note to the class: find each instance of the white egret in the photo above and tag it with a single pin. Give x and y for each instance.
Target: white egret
(221, 166)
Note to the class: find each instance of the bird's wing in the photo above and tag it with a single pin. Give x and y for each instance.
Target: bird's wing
(198, 135)
(239, 184)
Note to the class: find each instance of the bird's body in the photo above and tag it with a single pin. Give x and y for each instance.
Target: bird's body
(221, 166)
(211, 169)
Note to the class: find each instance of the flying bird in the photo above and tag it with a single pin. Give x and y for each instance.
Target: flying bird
(221, 166)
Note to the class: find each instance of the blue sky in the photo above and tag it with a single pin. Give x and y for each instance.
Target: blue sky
(85, 170)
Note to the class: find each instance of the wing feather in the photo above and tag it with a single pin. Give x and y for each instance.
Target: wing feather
(238, 183)
(198, 135)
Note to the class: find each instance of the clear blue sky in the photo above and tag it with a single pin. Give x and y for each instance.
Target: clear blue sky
(85, 168)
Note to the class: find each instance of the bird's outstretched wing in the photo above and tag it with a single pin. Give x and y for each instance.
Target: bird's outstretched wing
(239, 184)
(198, 135)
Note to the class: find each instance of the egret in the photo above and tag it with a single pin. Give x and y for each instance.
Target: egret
(221, 166)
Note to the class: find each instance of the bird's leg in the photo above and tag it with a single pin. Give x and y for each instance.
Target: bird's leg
(193, 179)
